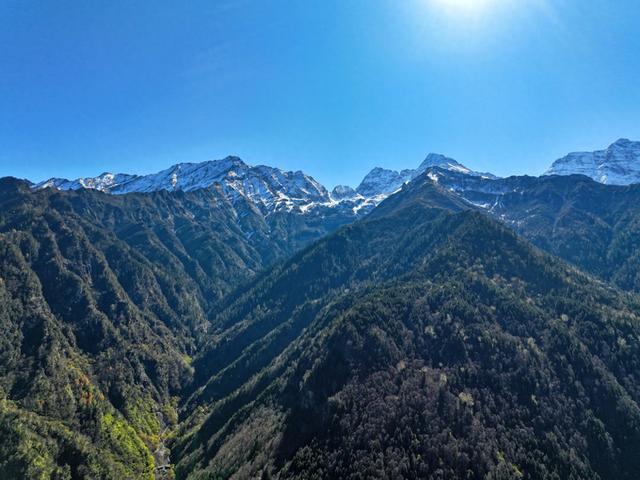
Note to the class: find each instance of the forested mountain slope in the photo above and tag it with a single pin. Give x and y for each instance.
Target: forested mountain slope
(104, 301)
(424, 341)
(429, 344)
(594, 226)
(375, 249)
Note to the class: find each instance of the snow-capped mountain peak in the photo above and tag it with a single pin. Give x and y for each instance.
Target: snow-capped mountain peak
(437, 160)
(383, 182)
(343, 192)
(619, 164)
(104, 182)
(267, 187)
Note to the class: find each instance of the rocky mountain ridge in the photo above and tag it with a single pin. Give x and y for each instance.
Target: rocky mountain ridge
(619, 164)
(270, 189)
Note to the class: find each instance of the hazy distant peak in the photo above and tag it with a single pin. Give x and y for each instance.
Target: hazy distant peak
(342, 192)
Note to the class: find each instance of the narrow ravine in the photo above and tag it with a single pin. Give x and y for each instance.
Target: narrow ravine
(162, 455)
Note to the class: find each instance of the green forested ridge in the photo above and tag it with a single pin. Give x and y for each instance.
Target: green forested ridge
(55, 419)
(430, 344)
(425, 341)
(594, 226)
(104, 299)
(591, 225)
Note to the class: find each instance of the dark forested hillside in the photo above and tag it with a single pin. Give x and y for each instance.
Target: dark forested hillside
(380, 247)
(104, 301)
(424, 341)
(419, 343)
(594, 226)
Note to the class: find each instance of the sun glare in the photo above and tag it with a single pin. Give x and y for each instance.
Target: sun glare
(465, 8)
(465, 5)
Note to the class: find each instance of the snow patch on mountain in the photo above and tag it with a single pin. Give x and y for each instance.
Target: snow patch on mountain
(383, 182)
(617, 165)
(343, 192)
(104, 182)
(267, 187)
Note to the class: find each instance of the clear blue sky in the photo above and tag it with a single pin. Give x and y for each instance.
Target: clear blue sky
(332, 87)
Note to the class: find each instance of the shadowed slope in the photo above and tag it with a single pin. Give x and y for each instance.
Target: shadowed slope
(419, 343)
(104, 299)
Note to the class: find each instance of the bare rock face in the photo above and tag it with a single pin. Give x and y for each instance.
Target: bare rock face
(267, 188)
(381, 182)
(617, 165)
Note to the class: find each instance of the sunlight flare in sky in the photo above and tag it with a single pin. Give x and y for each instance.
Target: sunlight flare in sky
(472, 24)
(467, 9)
(466, 5)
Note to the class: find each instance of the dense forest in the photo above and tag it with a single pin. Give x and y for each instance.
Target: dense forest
(594, 226)
(105, 300)
(452, 350)
(427, 340)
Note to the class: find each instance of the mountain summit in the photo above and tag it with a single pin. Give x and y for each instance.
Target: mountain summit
(267, 187)
(381, 182)
(617, 165)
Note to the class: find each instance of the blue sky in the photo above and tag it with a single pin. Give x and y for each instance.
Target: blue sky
(332, 87)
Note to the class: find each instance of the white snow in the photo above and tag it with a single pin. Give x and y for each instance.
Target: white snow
(617, 165)
(269, 189)
(380, 182)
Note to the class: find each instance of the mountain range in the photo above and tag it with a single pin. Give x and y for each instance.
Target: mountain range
(425, 341)
(220, 320)
(271, 189)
